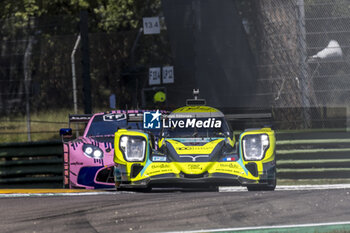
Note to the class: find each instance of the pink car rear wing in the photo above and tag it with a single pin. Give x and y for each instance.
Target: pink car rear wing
(79, 118)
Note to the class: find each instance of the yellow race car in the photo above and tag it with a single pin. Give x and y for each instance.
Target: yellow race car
(196, 148)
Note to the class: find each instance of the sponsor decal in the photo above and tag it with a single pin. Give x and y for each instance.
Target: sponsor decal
(76, 163)
(194, 166)
(159, 169)
(114, 117)
(229, 165)
(155, 166)
(151, 120)
(194, 148)
(158, 158)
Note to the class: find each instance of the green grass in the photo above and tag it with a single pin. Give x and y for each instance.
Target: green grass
(45, 125)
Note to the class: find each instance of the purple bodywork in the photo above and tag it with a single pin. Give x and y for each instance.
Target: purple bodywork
(81, 170)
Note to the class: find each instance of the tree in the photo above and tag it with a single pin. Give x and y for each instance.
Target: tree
(53, 25)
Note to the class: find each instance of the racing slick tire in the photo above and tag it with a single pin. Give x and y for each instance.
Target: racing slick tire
(142, 190)
(267, 185)
(270, 186)
(213, 189)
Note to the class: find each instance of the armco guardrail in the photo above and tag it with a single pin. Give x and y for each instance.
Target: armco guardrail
(32, 165)
(313, 155)
(300, 156)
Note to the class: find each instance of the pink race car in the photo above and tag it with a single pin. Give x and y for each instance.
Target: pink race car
(88, 159)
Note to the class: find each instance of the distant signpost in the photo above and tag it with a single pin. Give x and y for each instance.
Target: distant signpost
(157, 75)
(168, 74)
(154, 76)
(151, 25)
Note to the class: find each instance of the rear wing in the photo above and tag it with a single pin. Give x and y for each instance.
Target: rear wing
(138, 117)
(134, 117)
(130, 116)
(237, 121)
(79, 118)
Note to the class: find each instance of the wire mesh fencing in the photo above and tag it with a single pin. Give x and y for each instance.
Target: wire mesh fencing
(302, 53)
(36, 71)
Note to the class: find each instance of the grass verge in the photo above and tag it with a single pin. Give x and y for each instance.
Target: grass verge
(44, 126)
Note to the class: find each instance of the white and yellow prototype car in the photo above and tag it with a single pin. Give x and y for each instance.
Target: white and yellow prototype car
(196, 148)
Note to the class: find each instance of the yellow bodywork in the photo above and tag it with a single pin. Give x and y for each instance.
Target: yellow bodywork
(181, 149)
(118, 154)
(157, 168)
(270, 153)
(195, 109)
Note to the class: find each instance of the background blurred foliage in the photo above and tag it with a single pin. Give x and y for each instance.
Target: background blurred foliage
(109, 14)
(51, 28)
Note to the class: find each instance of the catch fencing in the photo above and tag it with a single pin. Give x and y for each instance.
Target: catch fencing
(298, 50)
(302, 52)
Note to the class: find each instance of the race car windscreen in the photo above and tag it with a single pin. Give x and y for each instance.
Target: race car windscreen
(196, 127)
(102, 125)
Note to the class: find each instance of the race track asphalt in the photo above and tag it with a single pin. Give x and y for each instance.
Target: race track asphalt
(167, 211)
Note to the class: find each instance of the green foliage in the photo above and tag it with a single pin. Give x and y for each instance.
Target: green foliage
(53, 26)
(109, 14)
(117, 13)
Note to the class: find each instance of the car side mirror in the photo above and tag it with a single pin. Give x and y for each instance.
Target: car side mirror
(66, 132)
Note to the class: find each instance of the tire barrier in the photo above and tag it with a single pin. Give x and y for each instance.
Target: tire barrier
(313, 154)
(31, 165)
(301, 155)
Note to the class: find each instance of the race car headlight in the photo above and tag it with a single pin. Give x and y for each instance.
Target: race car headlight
(133, 148)
(92, 151)
(255, 146)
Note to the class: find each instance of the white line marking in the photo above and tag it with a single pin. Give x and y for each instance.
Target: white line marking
(263, 227)
(291, 188)
(221, 189)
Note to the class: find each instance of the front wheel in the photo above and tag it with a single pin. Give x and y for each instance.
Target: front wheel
(267, 185)
(142, 190)
(117, 186)
(270, 186)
